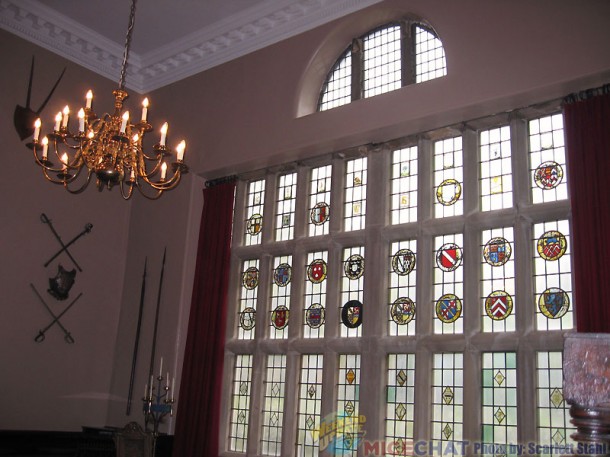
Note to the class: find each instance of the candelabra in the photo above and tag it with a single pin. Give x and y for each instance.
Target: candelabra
(158, 403)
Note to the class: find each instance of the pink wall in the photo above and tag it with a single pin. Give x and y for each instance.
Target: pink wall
(243, 115)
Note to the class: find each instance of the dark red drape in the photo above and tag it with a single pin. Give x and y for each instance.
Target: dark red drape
(197, 421)
(587, 126)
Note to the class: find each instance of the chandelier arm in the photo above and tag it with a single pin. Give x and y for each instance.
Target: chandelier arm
(149, 197)
(80, 189)
(126, 196)
(49, 178)
(168, 184)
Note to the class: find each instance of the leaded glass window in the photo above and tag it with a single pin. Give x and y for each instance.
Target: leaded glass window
(448, 284)
(403, 293)
(319, 200)
(355, 194)
(352, 287)
(447, 397)
(448, 177)
(338, 88)
(430, 60)
(310, 405)
(315, 294)
(254, 212)
(400, 402)
(347, 438)
(496, 169)
(280, 296)
(382, 61)
(240, 403)
(404, 185)
(286, 201)
(249, 296)
(273, 409)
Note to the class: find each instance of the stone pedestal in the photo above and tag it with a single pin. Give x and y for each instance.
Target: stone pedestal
(586, 388)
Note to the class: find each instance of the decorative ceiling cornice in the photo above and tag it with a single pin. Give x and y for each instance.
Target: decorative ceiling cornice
(226, 40)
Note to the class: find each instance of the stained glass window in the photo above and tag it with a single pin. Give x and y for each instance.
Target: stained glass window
(430, 60)
(338, 88)
(548, 159)
(315, 294)
(286, 205)
(403, 298)
(240, 403)
(254, 212)
(448, 177)
(273, 409)
(280, 296)
(498, 280)
(554, 427)
(355, 194)
(310, 405)
(246, 321)
(499, 400)
(382, 61)
(448, 307)
(447, 397)
(351, 310)
(319, 200)
(404, 185)
(553, 276)
(496, 169)
(348, 433)
(400, 402)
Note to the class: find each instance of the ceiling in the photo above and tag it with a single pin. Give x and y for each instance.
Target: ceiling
(172, 39)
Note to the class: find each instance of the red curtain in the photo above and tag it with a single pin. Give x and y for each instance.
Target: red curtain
(587, 126)
(197, 421)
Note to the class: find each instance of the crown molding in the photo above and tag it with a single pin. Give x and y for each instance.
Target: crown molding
(228, 39)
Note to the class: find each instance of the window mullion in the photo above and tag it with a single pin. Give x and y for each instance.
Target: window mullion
(407, 42)
(357, 69)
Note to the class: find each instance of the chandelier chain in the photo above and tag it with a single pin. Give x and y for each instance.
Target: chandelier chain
(132, 20)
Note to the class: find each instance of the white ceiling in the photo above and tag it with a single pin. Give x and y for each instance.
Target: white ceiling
(172, 39)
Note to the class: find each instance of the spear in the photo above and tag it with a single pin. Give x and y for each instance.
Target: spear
(137, 341)
(154, 342)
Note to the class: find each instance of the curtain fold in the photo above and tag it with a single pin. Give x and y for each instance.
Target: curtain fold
(197, 421)
(587, 126)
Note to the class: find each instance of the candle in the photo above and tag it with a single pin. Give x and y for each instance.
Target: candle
(89, 98)
(45, 147)
(173, 385)
(144, 109)
(161, 368)
(66, 116)
(81, 120)
(64, 160)
(136, 137)
(124, 123)
(37, 125)
(163, 134)
(132, 176)
(163, 171)
(57, 121)
(167, 378)
(145, 390)
(180, 150)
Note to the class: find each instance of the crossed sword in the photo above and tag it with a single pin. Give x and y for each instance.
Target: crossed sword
(67, 336)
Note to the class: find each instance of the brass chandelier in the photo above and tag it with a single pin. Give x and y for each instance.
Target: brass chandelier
(108, 147)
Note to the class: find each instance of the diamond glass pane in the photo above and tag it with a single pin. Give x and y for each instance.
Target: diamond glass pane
(554, 427)
(337, 89)
(498, 280)
(448, 286)
(402, 288)
(246, 319)
(286, 205)
(548, 178)
(273, 409)
(352, 290)
(447, 397)
(310, 405)
(403, 193)
(254, 212)
(347, 437)
(448, 177)
(553, 276)
(496, 169)
(281, 285)
(355, 194)
(382, 61)
(499, 399)
(319, 200)
(240, 403)
(400, 400)
(315, 298)
(430, 60)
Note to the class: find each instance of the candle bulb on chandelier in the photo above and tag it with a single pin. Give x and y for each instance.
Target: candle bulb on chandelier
(89, 98)
(64, 160)
(45, 148)
(163, 134)
(161, 368)
(81, 120)
(57, 121)
(145, 390)
(180, 151)
(66, 116)
(163, 171)
(144, 109)
(124, 123)
(37, 125)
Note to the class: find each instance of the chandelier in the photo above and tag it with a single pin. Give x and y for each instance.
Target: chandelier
(109, 148)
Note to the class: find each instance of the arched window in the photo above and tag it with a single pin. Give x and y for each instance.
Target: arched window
(384, 59)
